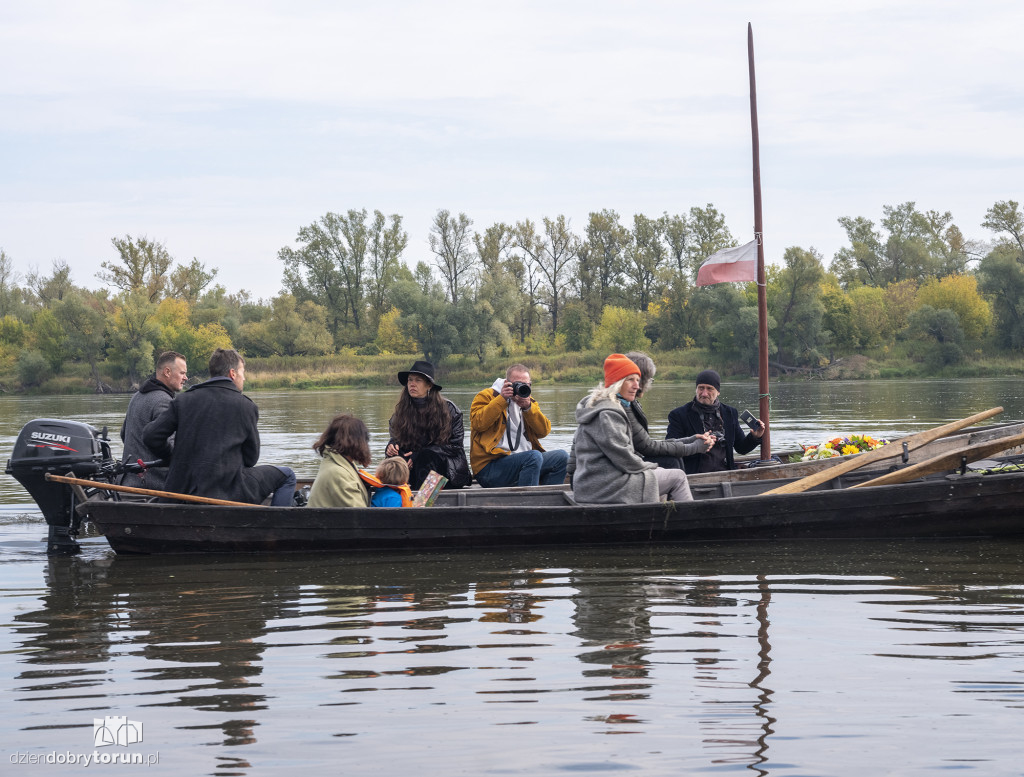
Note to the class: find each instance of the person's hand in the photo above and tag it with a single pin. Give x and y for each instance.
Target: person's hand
(709, 438)
(759, 432)
(506, 389)
(524, 402)
(391, 450)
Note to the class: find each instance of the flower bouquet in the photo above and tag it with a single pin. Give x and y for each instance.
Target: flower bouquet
(841, 446)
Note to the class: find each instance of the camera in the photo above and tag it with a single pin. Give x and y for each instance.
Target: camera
(520, 389)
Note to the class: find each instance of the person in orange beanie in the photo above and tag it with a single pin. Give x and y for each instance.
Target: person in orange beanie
(608, 469)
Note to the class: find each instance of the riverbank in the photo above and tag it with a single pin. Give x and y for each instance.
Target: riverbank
(354, 370)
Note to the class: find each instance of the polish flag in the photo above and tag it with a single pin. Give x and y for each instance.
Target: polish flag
(731, 264)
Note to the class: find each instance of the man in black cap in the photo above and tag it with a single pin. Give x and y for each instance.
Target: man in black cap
(705, 413)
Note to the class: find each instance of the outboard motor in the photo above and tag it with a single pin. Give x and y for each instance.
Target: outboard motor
(48, 445)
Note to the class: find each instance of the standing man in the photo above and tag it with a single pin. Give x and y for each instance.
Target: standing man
(216, 443)
(506, 426)
(152, 398)
(706, 413)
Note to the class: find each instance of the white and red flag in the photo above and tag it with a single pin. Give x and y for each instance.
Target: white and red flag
(730, 264)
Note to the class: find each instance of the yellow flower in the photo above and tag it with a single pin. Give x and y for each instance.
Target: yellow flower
(848, 449)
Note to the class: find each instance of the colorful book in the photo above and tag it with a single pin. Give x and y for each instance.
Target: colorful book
(432, 485)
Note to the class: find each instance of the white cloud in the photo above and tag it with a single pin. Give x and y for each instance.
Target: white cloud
(222, 127)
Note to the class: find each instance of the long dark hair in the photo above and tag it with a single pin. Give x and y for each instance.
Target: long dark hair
(413, 428)
(347, 436)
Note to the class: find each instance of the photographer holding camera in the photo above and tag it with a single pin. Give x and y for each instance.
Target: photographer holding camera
(706, 413)
(506, 426)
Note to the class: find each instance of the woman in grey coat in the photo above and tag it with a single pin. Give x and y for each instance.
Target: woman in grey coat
(664, 453)
(608, 469)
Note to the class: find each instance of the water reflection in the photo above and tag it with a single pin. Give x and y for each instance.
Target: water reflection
(718, 658)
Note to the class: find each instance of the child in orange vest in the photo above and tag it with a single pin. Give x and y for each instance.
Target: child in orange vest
(394, 491)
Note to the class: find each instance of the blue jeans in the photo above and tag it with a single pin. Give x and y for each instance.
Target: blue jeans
(284, 495)
(526, 468)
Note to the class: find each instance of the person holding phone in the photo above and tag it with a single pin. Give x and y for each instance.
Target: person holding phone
(707, 413)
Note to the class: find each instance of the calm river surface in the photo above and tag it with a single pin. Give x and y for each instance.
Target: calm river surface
(772, 659)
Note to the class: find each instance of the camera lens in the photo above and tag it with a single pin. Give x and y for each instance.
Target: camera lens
(520, 389)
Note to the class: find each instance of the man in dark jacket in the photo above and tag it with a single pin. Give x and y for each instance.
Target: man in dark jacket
(705, 413)
(216, 443)
(152, 398)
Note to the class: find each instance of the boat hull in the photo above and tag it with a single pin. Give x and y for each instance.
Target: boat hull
(943, 507)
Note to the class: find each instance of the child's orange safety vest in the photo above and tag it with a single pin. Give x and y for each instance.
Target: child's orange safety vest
(373, 480)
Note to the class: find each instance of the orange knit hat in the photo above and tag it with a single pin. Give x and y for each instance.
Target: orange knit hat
(617, 367)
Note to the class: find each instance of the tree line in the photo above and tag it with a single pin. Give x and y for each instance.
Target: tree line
(531, 287)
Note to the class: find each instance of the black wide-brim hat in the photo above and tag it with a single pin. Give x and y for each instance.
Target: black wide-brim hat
(426, 369)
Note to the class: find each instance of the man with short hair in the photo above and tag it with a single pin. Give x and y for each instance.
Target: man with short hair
(217, 444)
(152, 398)
(706, 413)
(506, 426)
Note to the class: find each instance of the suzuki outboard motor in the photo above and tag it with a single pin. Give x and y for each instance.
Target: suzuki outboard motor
(47, 445)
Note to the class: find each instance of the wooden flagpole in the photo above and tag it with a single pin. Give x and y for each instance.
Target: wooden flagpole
(762, 299)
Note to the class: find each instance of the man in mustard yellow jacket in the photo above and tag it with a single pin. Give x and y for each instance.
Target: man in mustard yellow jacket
(506, 426)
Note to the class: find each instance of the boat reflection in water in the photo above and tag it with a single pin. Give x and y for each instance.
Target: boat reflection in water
(723, 657)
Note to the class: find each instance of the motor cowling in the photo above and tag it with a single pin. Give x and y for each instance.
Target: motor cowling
(60, 447)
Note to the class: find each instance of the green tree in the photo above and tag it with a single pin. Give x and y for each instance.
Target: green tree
(11, 295)
(794, 301)
(189, 281)
(735, 336)
(293, 328)
(1001, 277)
(602, 261)
(837, 318)
(387, 242)
(142, 265)
(959, 293)
(554, 254)
(131, 333)
(577, 326)
(390, 336)
(33, 368)
(869, 316)
(1001, 272)
(941, 333)
(426, 317)
(621, 330)
(329, 267)
(82, 317)
(49, 338)
(909, 246)
(50, 289)
(647, 255)
(451, 243)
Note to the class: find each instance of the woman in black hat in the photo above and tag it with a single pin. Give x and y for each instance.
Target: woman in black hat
(427, 430)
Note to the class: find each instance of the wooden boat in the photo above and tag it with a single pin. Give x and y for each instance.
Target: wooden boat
(941, 505)
(727, 506)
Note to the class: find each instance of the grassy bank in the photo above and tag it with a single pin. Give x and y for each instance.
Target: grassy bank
(321, 372)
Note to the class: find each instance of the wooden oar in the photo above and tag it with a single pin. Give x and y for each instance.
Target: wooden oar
(203, 500)
(894, 448)
(945, 461)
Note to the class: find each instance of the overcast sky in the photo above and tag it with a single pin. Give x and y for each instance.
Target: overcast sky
(220, 128)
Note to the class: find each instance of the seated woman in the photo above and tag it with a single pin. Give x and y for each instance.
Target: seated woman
(608, 469)
(426, 430)
(344, 444)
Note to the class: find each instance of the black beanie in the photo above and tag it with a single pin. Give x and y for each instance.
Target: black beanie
(710, 378)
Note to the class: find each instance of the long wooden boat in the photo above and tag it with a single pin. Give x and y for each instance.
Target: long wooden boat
(942, 505)
(729, 505)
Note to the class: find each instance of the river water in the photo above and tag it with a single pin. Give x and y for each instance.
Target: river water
(772, 659)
